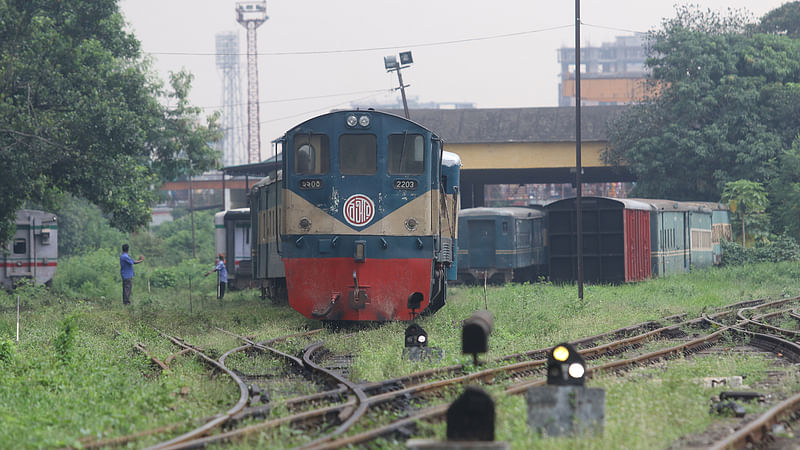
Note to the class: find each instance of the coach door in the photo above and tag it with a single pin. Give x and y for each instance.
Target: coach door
(482, 243)
(21, 257)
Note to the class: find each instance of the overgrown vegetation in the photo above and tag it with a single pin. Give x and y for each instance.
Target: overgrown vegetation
(75, 373)
(781, 248)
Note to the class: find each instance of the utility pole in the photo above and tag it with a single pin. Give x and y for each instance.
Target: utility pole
(191, 207)
(578, 165)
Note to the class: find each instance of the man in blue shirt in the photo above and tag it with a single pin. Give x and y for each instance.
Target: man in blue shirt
(222, 276)
(126, 271)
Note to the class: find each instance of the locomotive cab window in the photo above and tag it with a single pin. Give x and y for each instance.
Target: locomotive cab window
(311, 154)
(20, 247)
(358, 154)
(406, 154)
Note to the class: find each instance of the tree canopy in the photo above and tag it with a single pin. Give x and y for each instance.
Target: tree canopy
(80, 112)
(728, 107)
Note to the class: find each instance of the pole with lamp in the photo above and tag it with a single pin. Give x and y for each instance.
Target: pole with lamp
(392, 65)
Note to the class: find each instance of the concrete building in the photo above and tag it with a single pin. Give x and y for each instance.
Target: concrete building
(612, 74)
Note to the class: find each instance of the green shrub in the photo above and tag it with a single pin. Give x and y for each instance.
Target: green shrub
(6, 351)
(780, 248)
(93, 275)
(163, 278)
(65, 341)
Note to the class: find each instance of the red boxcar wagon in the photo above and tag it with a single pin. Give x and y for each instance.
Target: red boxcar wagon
(616, 240)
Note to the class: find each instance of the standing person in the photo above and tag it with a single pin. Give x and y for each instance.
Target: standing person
(222, 276)
(126, 271)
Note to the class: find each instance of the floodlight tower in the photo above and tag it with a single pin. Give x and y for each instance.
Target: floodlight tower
(251, 14)
(232, 144)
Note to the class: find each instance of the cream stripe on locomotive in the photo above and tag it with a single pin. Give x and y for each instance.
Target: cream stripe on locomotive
(393, 224)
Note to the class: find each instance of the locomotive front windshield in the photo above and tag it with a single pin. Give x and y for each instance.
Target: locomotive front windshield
(311, 154)
(406, 154)
(358, 154)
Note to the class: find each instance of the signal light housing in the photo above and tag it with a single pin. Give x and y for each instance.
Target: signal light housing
(565, 366)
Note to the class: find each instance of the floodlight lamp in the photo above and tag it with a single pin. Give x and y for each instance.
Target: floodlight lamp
(390, 62)
(405, 58)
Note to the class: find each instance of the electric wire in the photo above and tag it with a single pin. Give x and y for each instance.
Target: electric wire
(372, 49)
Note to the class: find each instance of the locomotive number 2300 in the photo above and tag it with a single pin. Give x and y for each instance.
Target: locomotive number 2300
(310, 184)
(406, 185)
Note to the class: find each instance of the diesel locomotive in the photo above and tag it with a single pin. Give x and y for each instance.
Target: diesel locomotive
(360, 222)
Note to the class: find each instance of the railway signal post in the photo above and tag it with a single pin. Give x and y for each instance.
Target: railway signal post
(565, 406)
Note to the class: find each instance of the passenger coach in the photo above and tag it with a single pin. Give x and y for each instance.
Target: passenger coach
(232, 236)
(501, 244)
(33, 252)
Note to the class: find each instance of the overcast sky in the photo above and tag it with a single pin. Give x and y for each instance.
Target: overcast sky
(515, 71)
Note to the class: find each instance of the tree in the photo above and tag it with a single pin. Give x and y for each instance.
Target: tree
(745, 198)
(785, 192)
(727, 107)
(80, 112)
(783, 20)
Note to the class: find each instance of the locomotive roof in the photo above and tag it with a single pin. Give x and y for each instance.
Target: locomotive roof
(553, 124)
(517, 212)
(672, 205)
(450, 159)
(362, 111)
(626, 203)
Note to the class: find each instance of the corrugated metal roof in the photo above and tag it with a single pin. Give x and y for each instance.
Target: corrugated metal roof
(517, 212)
(483, 126)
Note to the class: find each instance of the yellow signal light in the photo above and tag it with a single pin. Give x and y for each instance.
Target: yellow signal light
(560, 353)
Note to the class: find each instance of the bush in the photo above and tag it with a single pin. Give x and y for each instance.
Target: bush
(93, 275)
(163, 278)
(6, 351)
(780, 248)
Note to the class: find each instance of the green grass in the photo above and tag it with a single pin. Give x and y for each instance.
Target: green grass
(98, 385)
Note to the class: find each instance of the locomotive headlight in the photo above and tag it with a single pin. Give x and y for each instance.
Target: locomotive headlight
(352, 120)
(305, 224)
(411, 224)
(576, 370)
(363, 121)
(561, 353)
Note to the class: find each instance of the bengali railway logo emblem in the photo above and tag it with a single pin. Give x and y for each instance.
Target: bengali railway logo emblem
(358, 210)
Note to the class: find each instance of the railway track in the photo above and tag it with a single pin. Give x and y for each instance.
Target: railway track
(328, 415)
